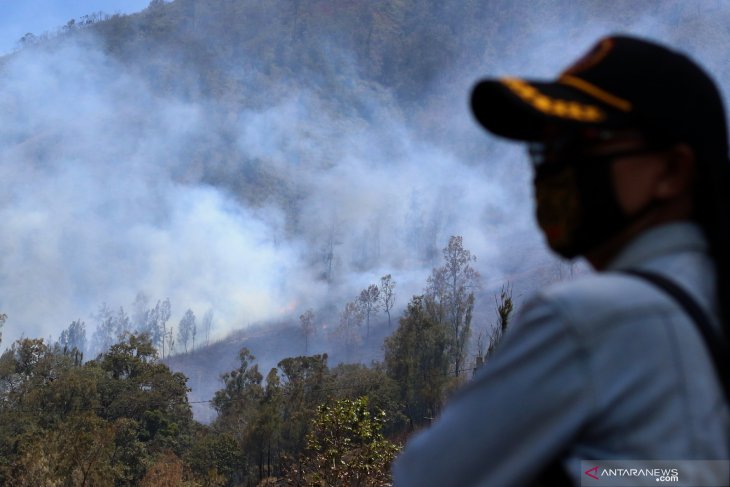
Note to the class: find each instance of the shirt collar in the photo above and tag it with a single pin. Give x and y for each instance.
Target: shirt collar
(657, 241)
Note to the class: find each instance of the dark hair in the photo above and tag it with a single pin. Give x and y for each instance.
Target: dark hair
(712, 212)
(706, 131)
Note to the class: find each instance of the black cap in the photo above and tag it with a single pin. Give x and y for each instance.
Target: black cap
(622, 82)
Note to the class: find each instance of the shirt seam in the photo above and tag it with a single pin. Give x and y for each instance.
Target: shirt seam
(581, 352)
(681, 373)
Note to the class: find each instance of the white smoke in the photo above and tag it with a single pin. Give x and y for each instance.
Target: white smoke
(91, 212)
(101, 199)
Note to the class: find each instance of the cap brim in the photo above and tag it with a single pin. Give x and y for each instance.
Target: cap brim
(528, 110)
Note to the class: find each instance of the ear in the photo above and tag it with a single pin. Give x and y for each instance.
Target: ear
(677, 178)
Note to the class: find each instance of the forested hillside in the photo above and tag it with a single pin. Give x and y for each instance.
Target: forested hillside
(207, 181)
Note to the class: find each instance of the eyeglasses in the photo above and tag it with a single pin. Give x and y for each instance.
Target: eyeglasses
(555, 156)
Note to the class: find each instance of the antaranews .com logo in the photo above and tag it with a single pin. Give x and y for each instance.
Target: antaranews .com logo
(632, 473)
(659, 474)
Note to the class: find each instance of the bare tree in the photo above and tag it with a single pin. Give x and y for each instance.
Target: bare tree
(387, 295)
(74, 337)
(3, 317)
(161, 315)
(169, 337)
(328, 254)
(368, 303)
(105, 333)
(504, 307)
(151, 321)
(141, 313)
(307, 322)
(186, 327)
(350, 319)
(123, 324)
(450, 297)
(29, 39)
(207, 324)
(480, 351)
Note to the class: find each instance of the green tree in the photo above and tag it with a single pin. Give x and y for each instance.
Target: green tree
(238, 408)
(265, 435)
(98, 423)
(416, 358)
(242, 388)
(304, 386)
(214, 457)
(350, 381)
(135, 386)
(346, 447)
(269, 421)
(25, 370)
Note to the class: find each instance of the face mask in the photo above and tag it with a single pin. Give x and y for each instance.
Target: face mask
(577, 207)
(559, 210)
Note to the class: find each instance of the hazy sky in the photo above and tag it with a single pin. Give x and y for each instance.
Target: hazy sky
(18, 17)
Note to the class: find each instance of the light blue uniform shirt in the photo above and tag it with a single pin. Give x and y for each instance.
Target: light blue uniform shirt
(606, 366)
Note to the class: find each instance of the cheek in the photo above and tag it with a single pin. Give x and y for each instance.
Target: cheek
(633, 183)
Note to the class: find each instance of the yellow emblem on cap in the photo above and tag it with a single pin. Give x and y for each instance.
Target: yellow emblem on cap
(596, 92)
(553, 106)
